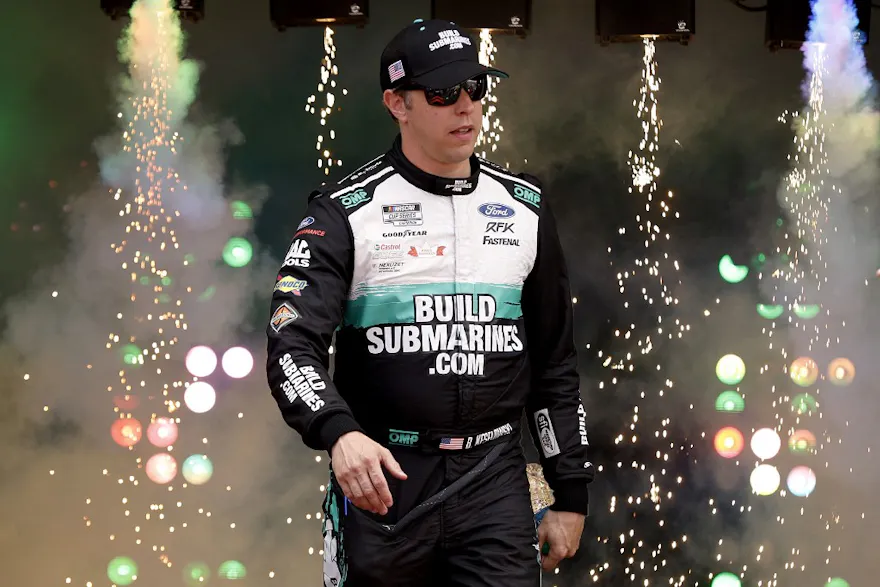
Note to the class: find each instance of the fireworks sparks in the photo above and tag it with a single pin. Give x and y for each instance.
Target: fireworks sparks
(647, 288)
(490, 133)
(324, 108)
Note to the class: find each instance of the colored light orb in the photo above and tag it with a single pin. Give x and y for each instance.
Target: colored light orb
(804, 371)
(836, 582)
(801, 481)
(770, 312)
(240, 210)
(201, 361)
(237, 362)
(198, 469)
(232, 570)
(766, 443)
(122, 570)
(730, 271)
(801, 441)
(730, 401)
(729, 442)
(841, 372)
(238, 252)
(765, 480)
(199, 397)
(161, 468)
(126, 432)
(196, 573)
(803, 403)
(162, 432)
(726, 580)
(132, 355)
(730, 369)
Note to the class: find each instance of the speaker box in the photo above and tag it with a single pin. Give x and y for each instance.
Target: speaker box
(627, 21)
(499, 16)
(191, 10)
(296, 13)
(789, 20)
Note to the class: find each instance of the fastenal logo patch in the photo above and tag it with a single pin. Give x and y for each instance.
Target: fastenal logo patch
(291, 285)
(402, 214)
(283, 315)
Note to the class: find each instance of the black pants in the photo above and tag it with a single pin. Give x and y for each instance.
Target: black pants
(482, 535)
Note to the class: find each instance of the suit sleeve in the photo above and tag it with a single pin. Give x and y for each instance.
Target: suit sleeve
(306, 308)
(555, 413)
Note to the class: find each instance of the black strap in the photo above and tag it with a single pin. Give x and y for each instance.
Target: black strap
(447, 492)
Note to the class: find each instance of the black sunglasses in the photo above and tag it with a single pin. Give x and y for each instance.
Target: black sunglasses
(476, 89)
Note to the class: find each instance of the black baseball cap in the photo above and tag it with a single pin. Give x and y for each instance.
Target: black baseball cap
(431, 53)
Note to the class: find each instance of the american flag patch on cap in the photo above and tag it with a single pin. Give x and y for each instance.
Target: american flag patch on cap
(395, 71)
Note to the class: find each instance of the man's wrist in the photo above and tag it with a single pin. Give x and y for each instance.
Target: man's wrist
(334, 427)
(571, 496)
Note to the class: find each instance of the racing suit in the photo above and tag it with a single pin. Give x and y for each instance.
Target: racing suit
(451, 307)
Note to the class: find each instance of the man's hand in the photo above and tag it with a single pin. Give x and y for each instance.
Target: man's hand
(562, 530)
(357, 463)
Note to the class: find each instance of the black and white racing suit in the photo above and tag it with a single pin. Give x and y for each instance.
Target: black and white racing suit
(452, 312)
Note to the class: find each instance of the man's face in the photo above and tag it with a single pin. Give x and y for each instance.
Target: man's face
(445, 133)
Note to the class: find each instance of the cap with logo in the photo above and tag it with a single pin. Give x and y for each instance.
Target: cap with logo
(433, 54)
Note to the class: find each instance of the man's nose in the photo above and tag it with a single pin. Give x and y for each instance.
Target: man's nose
(464, 104)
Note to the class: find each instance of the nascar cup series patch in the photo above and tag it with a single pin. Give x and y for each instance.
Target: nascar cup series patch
(284, 315)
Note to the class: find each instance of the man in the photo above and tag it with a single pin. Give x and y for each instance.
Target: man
(443, 277)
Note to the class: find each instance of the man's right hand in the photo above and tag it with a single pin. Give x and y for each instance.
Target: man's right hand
(357, 464)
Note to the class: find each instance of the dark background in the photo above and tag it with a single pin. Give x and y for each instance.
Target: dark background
(568, 110)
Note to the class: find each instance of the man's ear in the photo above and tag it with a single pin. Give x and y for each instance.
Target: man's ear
(394, 102)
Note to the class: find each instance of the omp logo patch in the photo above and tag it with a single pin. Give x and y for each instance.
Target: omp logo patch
(526, 195)
(402, 437)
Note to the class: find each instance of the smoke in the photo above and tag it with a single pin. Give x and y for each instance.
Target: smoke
(144, 267)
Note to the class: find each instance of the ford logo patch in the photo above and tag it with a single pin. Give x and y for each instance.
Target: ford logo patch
(496, 211)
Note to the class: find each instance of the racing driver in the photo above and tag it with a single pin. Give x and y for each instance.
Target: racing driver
(443, 278)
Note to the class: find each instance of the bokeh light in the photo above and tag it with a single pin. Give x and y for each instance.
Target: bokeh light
(802, 441)
(770, 312)
(841, 371)
(730, 369)
(199, 397)
(801, 481)
(726, 580)
(201, 361)
(237, 362)
(197, 469)
(122, 571)
(196, 573)
(729, 442)
(238, 252)
(765, 480)
(766, 443)
(804, 371)
(162, 432)
(232, 570)
(730, 271)
(126, 432)
(803, 403)
(730, 401)
(161, 468)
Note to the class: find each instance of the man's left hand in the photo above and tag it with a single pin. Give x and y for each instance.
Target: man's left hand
(562, 530)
